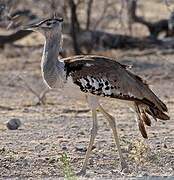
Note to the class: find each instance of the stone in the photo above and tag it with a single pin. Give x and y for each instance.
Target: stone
(13, 124)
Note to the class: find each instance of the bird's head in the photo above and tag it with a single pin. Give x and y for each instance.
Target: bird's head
(47, 27)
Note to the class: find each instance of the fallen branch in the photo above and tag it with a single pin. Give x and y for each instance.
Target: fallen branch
(75, 111)
(41, 97)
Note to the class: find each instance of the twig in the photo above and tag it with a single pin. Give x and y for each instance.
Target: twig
(75, 111)
(41, 97)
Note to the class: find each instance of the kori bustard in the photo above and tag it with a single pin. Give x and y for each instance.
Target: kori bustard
(94, 77)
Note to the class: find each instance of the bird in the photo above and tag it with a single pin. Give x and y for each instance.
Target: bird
(95, 77)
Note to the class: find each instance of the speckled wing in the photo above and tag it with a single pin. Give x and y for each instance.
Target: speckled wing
(105, 77)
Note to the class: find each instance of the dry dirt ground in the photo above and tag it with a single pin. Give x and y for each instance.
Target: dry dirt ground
(52, 140)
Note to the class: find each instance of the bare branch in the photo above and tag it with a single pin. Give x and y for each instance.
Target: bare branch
(154, 28)
(41, 97)
(89, 8)
(75, 27)
(102, 14)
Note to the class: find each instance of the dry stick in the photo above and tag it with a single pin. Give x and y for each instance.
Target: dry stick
(75, 111)
(41, 97)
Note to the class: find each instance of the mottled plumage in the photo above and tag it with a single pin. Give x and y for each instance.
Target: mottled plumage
(105, 77)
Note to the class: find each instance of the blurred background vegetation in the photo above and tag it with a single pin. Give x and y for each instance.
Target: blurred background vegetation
(92, 25)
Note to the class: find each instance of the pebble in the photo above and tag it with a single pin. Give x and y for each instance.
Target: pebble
(81, 148)
(13, 124)
(64, 147)
(81, 133)
(165, 146)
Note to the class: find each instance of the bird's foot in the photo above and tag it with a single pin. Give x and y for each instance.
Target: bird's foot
(82, 172)
(124, 167)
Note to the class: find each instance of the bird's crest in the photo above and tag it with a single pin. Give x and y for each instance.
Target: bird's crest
(54, 15)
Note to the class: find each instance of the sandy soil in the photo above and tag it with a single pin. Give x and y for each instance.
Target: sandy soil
(63, 125)
(52, 140)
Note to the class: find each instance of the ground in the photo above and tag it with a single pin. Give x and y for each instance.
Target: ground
(62, 126)
(52, 140)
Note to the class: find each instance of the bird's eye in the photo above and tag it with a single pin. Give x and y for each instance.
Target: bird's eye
(48, 23)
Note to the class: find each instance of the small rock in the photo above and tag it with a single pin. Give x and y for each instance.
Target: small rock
(13, 124)
(145, 174)
(64, 147)
(107, 129)
(59, 136)
(165, 146)
(47, 158)
(81, 133)
(81, 148)
(158, 146)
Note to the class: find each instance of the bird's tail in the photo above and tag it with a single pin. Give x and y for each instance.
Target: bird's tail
(143, 119)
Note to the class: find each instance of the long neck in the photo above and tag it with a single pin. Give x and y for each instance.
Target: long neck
(51, 67)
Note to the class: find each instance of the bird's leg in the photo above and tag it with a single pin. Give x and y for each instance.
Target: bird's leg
(91, 142)
(112, 124)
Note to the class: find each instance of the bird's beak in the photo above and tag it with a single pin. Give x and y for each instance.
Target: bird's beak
(31, 27)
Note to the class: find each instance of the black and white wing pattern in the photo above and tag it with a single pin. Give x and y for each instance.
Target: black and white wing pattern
(105, 77)
(102, 76)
